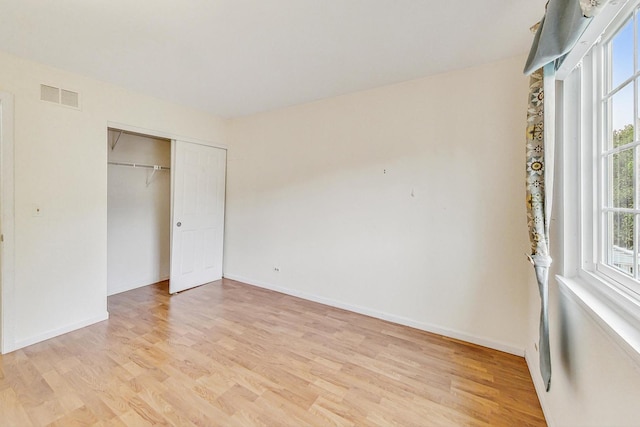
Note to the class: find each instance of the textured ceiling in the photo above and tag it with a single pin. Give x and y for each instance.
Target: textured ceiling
(238, 57)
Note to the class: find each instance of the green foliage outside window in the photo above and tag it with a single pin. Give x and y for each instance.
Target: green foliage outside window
(623, 188)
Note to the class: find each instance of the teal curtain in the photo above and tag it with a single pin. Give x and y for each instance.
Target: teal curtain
(559, 30)
(539, 184)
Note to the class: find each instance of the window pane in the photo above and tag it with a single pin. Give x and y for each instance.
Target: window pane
(621, 126)
(622, 188)
(638, 44)
(620, 247)
(622, 55)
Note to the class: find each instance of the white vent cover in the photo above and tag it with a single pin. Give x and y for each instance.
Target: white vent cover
(56, 95)
(49, 93)
(69, 98)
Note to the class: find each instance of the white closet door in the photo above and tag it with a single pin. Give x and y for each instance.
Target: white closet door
(198, 215)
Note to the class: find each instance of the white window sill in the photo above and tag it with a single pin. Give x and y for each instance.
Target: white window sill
(617, 315)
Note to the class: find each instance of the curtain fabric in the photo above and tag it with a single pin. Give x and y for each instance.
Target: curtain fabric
(590, 8)
(559, 30)
(539, 180)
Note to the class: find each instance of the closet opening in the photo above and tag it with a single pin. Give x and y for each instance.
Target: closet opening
(138, 210)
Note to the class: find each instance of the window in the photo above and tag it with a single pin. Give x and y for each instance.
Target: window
(599, 166)
(617, 140)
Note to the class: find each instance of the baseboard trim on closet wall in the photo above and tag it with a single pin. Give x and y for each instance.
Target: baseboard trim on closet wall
(60, 331)
(427, 327)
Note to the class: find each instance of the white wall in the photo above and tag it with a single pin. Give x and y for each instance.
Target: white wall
(404, 202)
(594, 382)
(138, 215)
(61, 166)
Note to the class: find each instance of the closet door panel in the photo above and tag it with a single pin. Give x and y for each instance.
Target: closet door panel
(188, 252)
(198, 215)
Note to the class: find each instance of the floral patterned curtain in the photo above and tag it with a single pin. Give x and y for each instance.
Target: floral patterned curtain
(558, 31)
(539, 206)
(590, 8)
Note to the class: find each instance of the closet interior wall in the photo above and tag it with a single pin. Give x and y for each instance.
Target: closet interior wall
(138, 212)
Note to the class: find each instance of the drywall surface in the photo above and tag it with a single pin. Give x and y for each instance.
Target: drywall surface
(594, 381)
(139, 212)
(405, 202)
(61, 168)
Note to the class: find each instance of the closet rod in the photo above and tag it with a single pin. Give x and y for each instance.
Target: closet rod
(138, 165)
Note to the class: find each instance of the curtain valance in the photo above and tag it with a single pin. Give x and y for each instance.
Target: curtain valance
(559, 30)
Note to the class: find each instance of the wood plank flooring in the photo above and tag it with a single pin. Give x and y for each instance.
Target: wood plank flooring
(230, 354)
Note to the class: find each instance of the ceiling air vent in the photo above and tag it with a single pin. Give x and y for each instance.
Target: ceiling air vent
(56, 95)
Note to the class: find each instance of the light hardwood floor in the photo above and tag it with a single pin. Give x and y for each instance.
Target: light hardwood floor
(234, 355)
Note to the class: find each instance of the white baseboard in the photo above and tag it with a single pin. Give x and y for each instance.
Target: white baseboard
(58, 331)
(135, 285)
(428, 327)
(529, 356)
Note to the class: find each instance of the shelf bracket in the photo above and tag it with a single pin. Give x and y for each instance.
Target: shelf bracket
(113, 144)
(156, 168)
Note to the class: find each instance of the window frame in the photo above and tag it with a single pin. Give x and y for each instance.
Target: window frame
(583, 276)
(602, 53)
